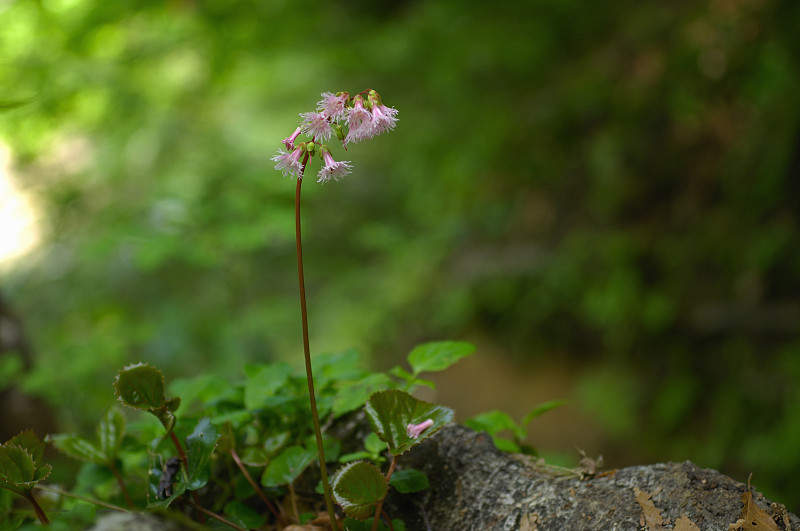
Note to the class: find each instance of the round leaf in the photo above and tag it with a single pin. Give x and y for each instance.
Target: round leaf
(390, 413)
(140, 386)
(357, 488)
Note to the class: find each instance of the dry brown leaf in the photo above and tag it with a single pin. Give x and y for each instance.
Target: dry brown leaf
(753, 517)
(529, 522)
(685, 524)
(651, 517)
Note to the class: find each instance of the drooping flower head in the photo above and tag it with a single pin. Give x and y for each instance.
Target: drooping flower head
(351, 120)
(332, 169)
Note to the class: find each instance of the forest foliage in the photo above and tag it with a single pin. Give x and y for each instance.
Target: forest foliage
(617, 182)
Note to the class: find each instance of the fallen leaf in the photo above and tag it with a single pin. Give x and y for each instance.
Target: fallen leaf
(651, 517)
(529, 522)
(685, 524)
(753, 517)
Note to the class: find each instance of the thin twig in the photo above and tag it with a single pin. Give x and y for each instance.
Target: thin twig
(215, 516)
(83, 498)
(379, 507)
(279, 517)
(121, 483)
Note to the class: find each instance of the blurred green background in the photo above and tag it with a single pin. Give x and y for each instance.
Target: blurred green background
(604, 196)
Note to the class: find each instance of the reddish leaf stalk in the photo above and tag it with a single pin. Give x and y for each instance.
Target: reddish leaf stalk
(379, 507)
(281, 520)
(37, 509)
(121, 483)
(307, 350)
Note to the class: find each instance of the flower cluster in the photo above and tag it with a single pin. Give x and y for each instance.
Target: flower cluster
(350, 119)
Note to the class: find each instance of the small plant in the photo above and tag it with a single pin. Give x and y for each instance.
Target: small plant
(243, 450)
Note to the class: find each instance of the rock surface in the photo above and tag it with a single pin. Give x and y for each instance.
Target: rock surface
(474, 486)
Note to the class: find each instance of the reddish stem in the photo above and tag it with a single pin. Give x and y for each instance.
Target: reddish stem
(37, 508)
(121, 483)
(249, 478)
(379, 507)
(307, 350)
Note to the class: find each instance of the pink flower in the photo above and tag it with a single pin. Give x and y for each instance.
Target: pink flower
(415, 430)
(289, 163)
(383, 118)
(332, 169)
(359, 120)
(333, 104)
(289, 141)
(316, 124)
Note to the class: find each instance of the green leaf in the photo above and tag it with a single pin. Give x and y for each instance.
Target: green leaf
(17, 469)
(110, 432)
(357, 488)
(199, 448)
(494, 422)
(31, 442)
(409, 480)
(77, 448)
(391, 412)
(540, 409)
(20, 469)
(352, 395)
(286, 466)
(264, 382)
(439, 355)
(141, 386)
(244, 516)
(336, 367)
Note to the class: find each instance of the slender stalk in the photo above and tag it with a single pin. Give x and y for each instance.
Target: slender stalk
(215, 516)
(83, 498)
(281, 520)
(307, 351)
(121, 483)
(37, 508)
(379, 507)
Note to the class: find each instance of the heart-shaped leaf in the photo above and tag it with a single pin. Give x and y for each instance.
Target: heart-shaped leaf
(357, 488)
(286, 466)
(200, 446)
(392, 413)
(438, 355)
(409, 480)
(141, 386)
